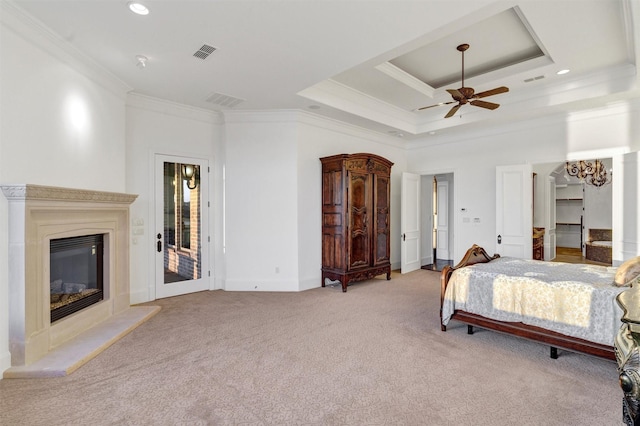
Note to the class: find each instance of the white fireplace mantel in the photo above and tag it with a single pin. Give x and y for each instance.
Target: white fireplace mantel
(38, 214)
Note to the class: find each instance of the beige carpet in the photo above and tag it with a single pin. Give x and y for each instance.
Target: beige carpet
(374, 355)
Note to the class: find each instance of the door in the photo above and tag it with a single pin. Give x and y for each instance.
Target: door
(514, 211)
(410, 223)
(442, 248)
(181, 237)
(550, 220)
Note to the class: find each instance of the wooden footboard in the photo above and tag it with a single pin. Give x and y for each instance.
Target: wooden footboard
(477, 254)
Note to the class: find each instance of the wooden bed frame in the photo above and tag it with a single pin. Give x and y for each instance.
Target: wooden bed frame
(477, 254)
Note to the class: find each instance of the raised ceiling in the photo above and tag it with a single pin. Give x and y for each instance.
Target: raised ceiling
(369, 63)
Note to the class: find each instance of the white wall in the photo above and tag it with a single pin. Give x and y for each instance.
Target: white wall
(598, 133)
(261, 251)
(273, 187)
(155, 127)
(59, 126)
(319, 138)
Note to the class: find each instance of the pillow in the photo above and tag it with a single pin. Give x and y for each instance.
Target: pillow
(627, 273)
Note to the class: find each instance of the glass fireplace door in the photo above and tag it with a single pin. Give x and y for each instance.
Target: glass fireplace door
(181, 231)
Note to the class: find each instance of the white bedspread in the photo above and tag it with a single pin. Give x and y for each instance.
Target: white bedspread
(572, 299)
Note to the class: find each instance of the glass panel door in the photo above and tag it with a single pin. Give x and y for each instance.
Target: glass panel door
(180, 248)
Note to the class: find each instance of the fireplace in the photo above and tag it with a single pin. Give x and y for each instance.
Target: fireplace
(75, 274)
(67, 244)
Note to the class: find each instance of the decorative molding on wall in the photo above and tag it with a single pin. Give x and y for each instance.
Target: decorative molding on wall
(32, 30)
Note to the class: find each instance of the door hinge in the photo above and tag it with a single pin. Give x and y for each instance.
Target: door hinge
(209, 239)
(208, 203)
(209, 272)
(208, 169)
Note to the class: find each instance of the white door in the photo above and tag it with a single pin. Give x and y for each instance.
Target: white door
(181, 240)
(410, 223)
(442, 248)
(514, 211)
(550, 221)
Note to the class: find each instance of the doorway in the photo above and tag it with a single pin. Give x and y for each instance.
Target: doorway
(181, 225)
(437, 221)
(571, 212)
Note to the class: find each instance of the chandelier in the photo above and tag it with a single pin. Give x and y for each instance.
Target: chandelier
(591, 172)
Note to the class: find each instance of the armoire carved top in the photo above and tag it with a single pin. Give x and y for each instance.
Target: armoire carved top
(54, 193)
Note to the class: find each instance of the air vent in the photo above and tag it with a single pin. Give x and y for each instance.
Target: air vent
(204, 52)
(224, 100)
(529, 80)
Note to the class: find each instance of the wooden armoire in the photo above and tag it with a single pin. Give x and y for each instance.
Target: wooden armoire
(355, 217)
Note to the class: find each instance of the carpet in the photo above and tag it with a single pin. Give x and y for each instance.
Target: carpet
(374, 355)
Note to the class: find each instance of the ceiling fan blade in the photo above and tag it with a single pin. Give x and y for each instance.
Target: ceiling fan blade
(484, 104)
(435, 105)
(492, 92)
(452, 111)
(456, 94)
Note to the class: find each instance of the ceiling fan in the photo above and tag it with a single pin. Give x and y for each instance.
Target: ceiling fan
(466, 95)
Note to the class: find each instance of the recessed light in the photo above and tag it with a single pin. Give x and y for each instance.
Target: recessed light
(562, 72)
(138, 8)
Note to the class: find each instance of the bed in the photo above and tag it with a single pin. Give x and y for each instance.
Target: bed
(567, 306)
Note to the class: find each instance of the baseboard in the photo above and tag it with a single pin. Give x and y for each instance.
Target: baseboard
(261, 285)
(309, 283)
(5, 362)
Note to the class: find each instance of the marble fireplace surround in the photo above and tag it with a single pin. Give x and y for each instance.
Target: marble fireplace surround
(38, 214)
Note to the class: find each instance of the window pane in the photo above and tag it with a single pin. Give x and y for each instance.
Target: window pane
(169, 204)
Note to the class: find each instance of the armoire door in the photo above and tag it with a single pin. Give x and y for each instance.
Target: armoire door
(359, 201)
(380, 236)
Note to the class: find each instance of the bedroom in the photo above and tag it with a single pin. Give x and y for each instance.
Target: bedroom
(270, 156)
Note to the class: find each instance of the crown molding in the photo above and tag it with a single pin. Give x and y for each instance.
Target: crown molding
(30, 29)
(296, 117)
(163, 106)
(342, 127)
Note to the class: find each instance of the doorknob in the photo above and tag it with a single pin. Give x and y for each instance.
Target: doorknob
(499, 239)
(404, 237)
(159, 236)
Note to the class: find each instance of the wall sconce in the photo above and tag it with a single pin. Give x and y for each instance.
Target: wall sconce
(592, 172)
(191, 174)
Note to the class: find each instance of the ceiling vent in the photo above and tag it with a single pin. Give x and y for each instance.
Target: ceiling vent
(529, 80)
(204, 52)
(224, 100)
